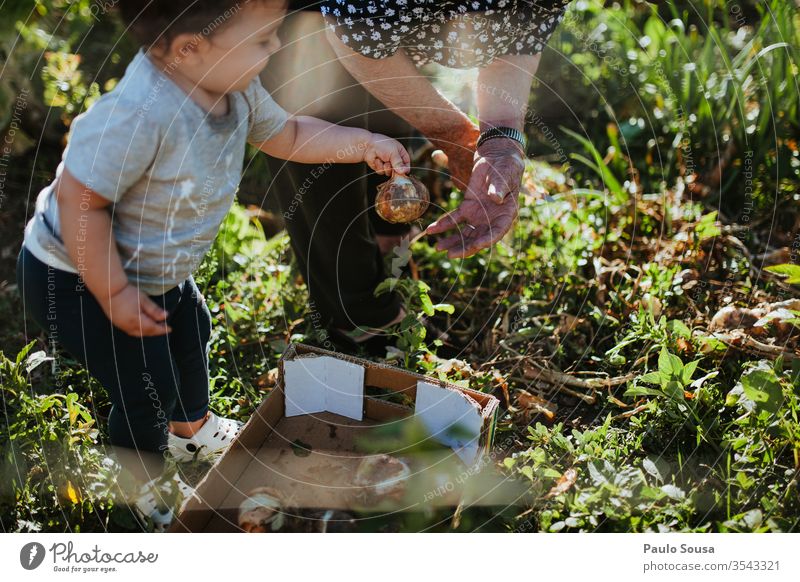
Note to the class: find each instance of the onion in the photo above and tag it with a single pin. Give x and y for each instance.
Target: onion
(402, 199)
(261, 510)
(382, 477)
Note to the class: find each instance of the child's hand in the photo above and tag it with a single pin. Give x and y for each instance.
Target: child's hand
(387, 156)
(135, 313)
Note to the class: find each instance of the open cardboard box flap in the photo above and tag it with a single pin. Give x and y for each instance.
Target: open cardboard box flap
(302, 439)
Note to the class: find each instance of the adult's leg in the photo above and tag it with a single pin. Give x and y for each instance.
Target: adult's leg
(139, 374)
(328, 209)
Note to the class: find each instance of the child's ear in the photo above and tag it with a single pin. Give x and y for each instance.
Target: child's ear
(189, 48)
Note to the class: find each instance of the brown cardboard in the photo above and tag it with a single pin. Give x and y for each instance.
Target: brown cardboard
(266, 453)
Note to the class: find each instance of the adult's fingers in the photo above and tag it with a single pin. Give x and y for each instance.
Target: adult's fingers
(439, 158)
(447, 222)
(500, 184)
(467, 241)
(456, 245)
(471, 243)
(459, 163)
(461, 245)
(477, 181)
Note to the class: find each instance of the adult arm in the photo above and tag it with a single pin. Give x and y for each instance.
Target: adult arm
(490, 203)
(397, 83)
(491, 177)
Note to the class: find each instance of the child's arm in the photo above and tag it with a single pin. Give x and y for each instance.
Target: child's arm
(313, 141)
(87, 233)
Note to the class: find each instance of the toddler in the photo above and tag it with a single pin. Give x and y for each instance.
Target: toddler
(149, 173)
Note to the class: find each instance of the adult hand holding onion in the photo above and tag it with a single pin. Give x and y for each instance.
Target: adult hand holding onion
(490, 203)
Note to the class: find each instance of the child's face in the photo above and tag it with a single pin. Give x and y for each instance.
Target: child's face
(234, 55)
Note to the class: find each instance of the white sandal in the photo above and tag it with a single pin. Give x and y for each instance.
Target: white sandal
(213, 437)
(159, 498)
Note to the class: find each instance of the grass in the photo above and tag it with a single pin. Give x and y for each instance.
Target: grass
(677, 436)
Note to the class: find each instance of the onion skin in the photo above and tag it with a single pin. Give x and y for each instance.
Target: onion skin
(381, 477)
(402, 199)
(260, 509)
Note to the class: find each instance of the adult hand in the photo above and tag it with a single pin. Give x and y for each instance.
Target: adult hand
(490, 203)
(460, 152)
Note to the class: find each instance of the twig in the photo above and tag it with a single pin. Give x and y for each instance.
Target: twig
(745, 343)
(588, 384)
(589, 399)
(610, 382)
(629, 413)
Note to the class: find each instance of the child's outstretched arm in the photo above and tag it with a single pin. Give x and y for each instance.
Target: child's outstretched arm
(87, 233)
(313, 141)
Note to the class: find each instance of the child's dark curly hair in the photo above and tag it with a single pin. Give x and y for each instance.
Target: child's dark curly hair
(158, 22)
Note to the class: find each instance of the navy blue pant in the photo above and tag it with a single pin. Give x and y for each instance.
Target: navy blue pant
(151, 380)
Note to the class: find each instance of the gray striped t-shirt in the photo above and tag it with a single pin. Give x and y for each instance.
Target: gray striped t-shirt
(170, 169)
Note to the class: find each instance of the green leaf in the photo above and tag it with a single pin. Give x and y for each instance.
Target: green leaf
(679, 328)
(651, 378)
(669, 365)
(744, 481)
(792, 272)
(423, 287)
(385, 286)
(551, 473)
(23, 353)
(36, 359)
(710, 344)
(642, 391)
(445, 307)
(426, 304)
(650, 466)
(795, 374)
(597, 476)
(674, 390)
(674, 492)
(762, 386)
(706, 227)
(688, 371)
(753, 518)
(232, 313)
(651, 493)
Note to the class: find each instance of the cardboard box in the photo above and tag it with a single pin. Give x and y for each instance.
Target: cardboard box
(303, 440)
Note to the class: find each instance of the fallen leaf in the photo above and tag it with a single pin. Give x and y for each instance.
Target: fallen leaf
(732, 317)
(532, 404)
(564, 483)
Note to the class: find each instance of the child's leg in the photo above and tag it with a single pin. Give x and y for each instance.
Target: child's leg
(139, 374)
(191, 330)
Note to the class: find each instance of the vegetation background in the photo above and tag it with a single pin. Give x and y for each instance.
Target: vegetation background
(640, 324)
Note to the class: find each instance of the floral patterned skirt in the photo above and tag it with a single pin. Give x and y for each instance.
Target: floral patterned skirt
(458, 33)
